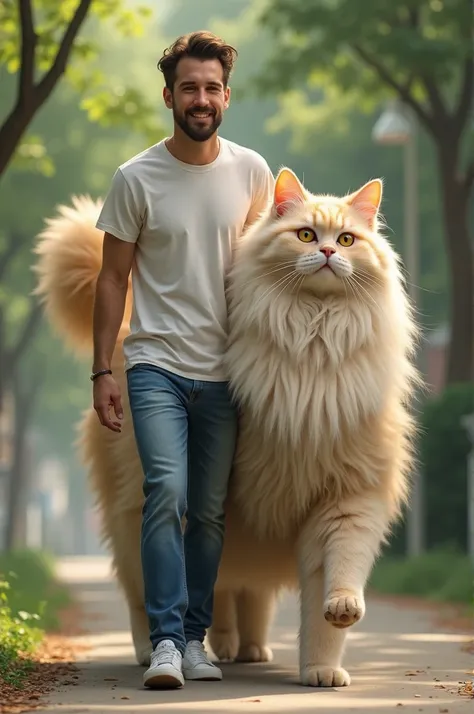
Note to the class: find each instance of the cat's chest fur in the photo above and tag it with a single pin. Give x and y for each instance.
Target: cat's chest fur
(306, 389)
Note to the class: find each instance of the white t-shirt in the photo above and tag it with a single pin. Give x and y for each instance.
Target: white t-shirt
(184, 220)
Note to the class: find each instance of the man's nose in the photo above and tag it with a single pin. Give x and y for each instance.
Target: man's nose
(202, 99)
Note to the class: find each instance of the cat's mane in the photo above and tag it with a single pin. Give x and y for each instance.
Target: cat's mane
(314, 372)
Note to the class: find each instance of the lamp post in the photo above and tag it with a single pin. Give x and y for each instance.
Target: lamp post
(397, 127)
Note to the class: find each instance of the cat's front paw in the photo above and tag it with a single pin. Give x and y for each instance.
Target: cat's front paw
(320, 675)
(143, 655)
(344, 610)
(224, 644)
(254, 653)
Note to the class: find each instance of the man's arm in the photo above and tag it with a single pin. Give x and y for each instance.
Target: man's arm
(110, 296)
(121, 220)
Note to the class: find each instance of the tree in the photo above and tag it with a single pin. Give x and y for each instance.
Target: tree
(41, 45)
(423, 53)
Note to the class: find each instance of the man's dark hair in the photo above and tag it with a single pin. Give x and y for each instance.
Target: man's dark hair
(202, 45)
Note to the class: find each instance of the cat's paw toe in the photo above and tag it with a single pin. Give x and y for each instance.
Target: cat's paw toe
(320, 675)
(254, 653)
(224, 644)
(143, 655)
(344, 610)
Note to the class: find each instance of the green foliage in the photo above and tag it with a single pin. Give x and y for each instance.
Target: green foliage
(443, 575)
(66, 151)
(444, 448)
(414, 43)
(32, 156)
(19, 637)
(109, 103)
(33, 587)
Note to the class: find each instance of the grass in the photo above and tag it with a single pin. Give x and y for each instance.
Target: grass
(33, 586)
(442, 575)
(30, 601)
(19, 637)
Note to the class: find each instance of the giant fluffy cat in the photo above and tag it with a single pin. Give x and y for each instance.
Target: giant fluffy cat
(321, 337)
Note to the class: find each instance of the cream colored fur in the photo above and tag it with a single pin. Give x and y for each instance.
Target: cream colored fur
(320, 362)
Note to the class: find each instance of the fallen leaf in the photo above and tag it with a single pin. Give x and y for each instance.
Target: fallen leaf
(124, 697)
(110, 679)
(467, 689)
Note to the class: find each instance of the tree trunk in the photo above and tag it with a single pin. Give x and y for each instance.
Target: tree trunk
(12, 132)
(455, 201)
(19, 471)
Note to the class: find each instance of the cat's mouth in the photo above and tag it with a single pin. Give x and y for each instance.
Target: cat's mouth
(319, 264)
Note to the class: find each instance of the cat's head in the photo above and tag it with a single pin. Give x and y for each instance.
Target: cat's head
(326, 245)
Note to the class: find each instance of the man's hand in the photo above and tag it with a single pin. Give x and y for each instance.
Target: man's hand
(106, 395)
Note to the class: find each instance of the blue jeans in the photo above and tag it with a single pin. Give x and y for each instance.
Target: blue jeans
(185, 432)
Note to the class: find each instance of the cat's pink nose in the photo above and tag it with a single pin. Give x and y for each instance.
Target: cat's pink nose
(328, 251)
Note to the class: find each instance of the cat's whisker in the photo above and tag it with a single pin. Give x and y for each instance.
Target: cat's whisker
(282, 266)
(355, 282)
(274, 286)
(348, 284)
(300, 284)
(368, 277)
(294, 279)
(367, 283)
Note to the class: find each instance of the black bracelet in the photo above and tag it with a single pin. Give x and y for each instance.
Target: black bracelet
(94, 375)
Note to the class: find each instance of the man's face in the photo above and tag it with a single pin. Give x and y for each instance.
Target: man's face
(199, 98)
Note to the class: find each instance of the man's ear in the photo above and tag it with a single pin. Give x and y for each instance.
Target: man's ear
(168, 97)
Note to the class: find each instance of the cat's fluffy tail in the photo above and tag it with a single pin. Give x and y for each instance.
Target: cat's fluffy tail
(70, 259)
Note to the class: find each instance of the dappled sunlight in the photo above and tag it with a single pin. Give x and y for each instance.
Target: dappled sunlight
(433, 637)
(323, 700)
(98, 596)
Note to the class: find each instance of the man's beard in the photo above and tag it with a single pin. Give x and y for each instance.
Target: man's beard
(196, 132)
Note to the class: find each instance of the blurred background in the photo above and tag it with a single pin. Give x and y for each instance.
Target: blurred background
(339, 91)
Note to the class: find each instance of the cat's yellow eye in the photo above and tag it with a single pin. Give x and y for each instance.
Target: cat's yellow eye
(306, 235)
(346, 240)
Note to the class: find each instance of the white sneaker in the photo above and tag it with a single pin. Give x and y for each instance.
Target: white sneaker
(165, 670)
(196, 664)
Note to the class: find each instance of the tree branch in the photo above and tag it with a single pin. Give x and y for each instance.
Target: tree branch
(9, 253)
(425, 118)
(434, 95)
(16, 123)
(28, 47)
(47, 84)
(466, 93)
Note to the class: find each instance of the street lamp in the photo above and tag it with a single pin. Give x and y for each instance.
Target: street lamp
(397, 127)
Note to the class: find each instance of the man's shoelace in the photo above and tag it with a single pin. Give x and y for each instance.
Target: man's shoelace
(196, 654)
(165, 655)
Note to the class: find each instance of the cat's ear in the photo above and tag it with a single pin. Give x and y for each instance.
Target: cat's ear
(288, 190)
(367, 200)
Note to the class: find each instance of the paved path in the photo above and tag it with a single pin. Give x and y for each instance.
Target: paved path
(388, 644)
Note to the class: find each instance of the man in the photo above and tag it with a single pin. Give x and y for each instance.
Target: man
(174, 212)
